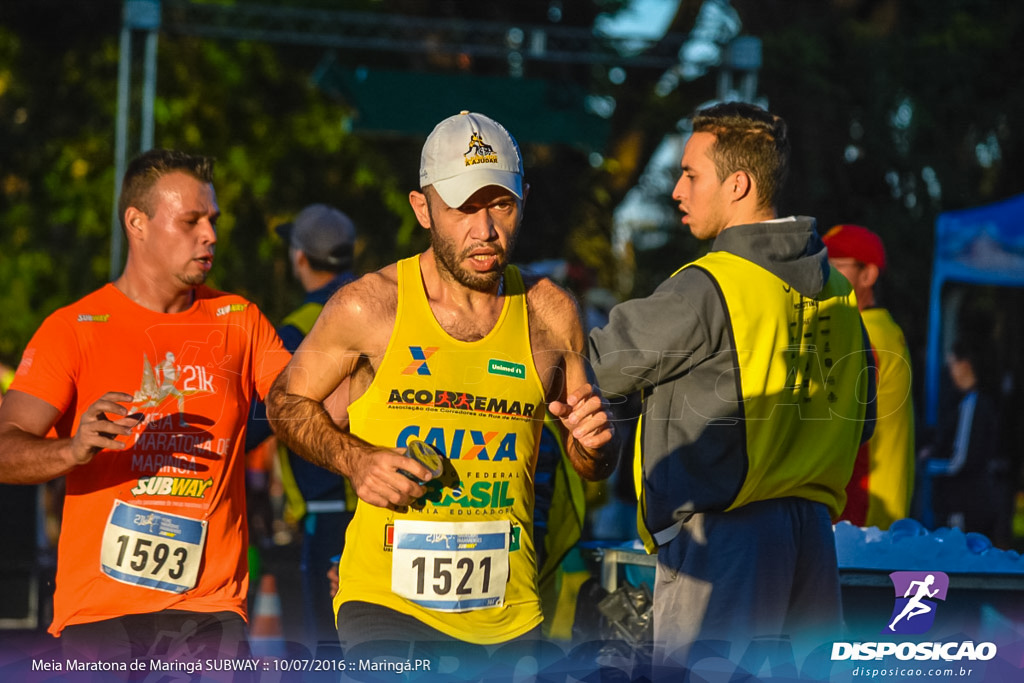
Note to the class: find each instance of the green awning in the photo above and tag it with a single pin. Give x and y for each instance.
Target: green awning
(412, 103)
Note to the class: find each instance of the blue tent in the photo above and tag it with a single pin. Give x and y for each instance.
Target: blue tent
(983, 245)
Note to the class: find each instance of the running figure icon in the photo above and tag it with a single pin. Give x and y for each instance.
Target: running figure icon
(154, 391)
(915, 606)
(477, 146)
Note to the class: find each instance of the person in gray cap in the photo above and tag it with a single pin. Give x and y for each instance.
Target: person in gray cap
(321, 241)
(456, 349)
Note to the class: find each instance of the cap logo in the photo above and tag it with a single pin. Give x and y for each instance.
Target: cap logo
(479, 152)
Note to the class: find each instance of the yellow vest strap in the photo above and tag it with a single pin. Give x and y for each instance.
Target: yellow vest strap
(650, 541)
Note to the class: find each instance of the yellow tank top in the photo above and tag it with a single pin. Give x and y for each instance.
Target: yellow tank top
(464, 563)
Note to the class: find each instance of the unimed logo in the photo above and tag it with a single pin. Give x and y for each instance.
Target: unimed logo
(916, 594)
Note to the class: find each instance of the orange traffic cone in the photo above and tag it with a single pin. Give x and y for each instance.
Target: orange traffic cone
(265, 633)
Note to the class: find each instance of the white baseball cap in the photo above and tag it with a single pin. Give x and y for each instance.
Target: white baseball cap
(466, 152)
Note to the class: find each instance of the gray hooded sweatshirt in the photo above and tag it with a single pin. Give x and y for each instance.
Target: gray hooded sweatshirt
(676, 347)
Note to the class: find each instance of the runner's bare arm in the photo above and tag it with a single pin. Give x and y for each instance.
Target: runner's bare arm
(28, 457)
(346, 333)
(574, 397)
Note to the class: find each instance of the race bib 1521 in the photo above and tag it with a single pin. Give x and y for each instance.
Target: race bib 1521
(451, 566)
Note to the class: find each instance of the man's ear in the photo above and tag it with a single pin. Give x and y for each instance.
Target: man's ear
(740, 185)
(135, 221)
(869, 274)
(418, 202)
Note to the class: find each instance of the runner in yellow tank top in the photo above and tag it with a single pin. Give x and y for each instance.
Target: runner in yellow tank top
(480, 403)
(453, 348)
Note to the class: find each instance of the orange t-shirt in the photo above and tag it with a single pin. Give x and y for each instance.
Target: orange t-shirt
(161, 524)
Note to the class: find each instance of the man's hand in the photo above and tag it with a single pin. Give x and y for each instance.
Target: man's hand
(586, 417)
(333, 580)
(303, 424)
(378, 478)
(97, 431)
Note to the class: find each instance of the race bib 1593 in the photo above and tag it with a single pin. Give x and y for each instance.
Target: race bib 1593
(152, 549)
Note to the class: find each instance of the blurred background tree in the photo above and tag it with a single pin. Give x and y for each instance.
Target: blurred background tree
(899, 109)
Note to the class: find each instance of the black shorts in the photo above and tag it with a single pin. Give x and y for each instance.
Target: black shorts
(171, 635)
(360, 622)
(370, 632)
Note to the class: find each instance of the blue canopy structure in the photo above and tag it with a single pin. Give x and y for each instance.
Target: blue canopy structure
(982, 245)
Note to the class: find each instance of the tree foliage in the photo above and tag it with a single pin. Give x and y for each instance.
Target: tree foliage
(899, 110)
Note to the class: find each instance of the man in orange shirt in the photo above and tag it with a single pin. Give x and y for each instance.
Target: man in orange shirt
(146, 384)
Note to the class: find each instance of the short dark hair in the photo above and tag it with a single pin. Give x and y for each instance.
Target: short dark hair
(749, 139)
(977, 350)
(146, 169)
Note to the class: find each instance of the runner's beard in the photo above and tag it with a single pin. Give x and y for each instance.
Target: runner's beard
(194, 279)
(449, 261)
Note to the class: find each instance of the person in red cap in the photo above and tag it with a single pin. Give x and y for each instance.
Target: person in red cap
(880, 489)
